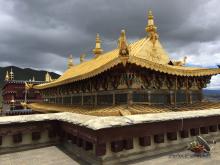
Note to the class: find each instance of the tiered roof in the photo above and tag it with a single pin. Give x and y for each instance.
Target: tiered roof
(146, 52)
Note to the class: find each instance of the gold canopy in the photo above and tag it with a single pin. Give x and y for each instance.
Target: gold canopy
(147, 52)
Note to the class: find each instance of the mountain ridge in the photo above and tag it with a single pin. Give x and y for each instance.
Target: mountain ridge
(25, 74)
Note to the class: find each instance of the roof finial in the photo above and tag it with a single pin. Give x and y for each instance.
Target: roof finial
(70, 61)
(122, 44)
(97, 50)
(82, 56)
(6, 76)
(11, 75)
(123, 47)
(48, 77)
(151, 29)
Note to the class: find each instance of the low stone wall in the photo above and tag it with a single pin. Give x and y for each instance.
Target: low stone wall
(108, 140)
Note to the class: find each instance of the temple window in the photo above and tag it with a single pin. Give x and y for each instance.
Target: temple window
(17, 138)
(140, 97)
(67, 100)
(36, 136)
(88, 100)
(121, 98)
(76, 100)
(181, 97)
(105, 99)
(157, 98)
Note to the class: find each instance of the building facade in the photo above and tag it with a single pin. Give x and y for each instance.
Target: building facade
(13, 92)
(136, 73)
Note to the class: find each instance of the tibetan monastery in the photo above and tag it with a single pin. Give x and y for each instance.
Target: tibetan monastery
(135, 78)
(131, 79)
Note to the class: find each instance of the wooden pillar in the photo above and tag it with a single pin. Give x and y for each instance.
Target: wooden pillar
(95, 101)
(71, 101)
(149, 97)
(171, 98)
(204, 130)
(213, 128)
(190, 97)
(159, 138)
(194, 131)
(145, 141)
(129, 98)
(82, 99)
(172, 136)
(100, 149)
(62, 100)
(113, 98)
(184, 134)
(0, 140)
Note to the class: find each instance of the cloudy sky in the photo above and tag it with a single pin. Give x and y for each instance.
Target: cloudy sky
(42, 33)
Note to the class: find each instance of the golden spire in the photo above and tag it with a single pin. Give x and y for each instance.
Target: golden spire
(97, 50)
(123, 45)
(33, 79)
(82, 58)
(48, 77)
(11, 75)
(123, 48)
(6, 76)
(70, 61)
(150, 25)
(151, 29)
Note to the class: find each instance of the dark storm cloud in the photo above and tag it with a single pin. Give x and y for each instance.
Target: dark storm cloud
(42, 33)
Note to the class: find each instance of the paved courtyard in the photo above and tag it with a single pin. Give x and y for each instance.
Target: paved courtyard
(55, 156)
(42, 156)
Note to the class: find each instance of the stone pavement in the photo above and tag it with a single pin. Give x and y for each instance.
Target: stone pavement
(42, 156)
(57, 156)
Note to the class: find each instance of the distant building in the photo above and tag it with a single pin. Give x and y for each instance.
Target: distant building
(13, 91)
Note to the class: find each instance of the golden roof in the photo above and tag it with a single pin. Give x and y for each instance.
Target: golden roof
(121, 110)
(146, 52)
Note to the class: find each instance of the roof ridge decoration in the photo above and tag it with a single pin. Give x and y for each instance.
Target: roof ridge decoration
(98, 49)
(11, 75)
(6, 76)
(82, 58)
(123, 47)
(151, 29)
(70, 61)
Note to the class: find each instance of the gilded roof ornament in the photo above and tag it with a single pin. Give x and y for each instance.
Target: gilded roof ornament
(48, 77)
(82, 58)
(70, 61)
(179, 63)
(6, 76)
(97, 50)
(151, 29)
(123, 47)
(11, 75)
